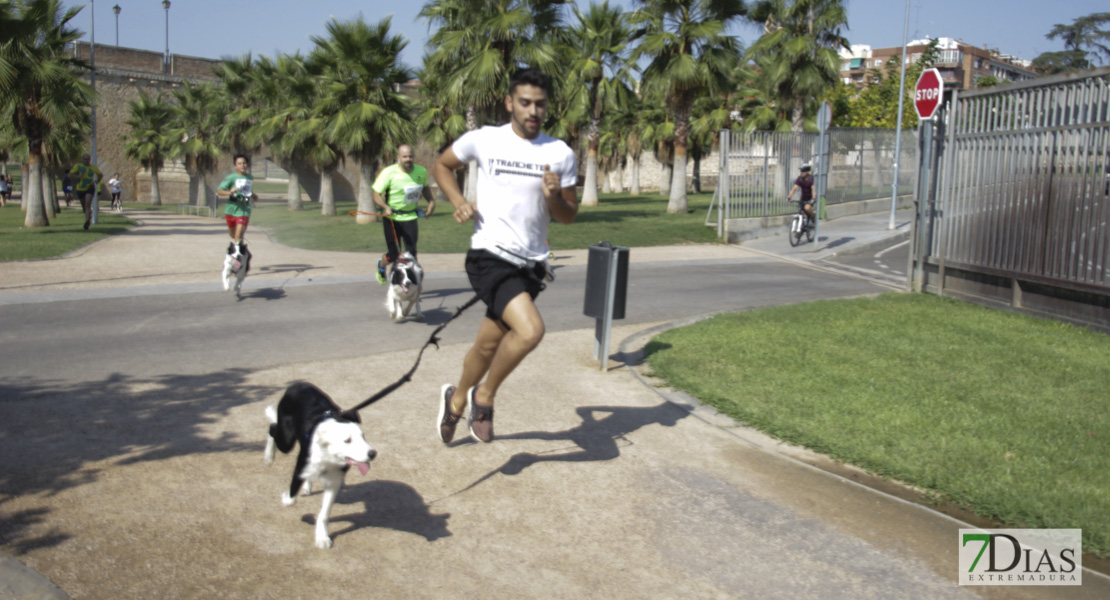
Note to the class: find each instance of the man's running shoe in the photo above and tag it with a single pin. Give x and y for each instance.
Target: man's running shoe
(480, 420)
(446, 421)
(381, 272)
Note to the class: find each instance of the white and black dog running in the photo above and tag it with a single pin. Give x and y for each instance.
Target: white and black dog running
(331, 441)
(406, 281)
(237, 262)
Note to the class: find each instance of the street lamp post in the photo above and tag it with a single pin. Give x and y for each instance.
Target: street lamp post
(898, 128)
(116, 10)
(166, 59)
(95, 217)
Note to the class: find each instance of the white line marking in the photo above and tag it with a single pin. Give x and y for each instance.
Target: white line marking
(898, 245)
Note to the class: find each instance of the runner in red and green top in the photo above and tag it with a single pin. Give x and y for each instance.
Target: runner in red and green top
(236, 187)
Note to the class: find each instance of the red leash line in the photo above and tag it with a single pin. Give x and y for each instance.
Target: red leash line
(390, 217)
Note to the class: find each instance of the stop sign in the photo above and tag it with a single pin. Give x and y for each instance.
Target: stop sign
(927, 94)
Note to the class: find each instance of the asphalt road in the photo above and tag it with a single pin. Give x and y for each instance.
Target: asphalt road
(88, 336)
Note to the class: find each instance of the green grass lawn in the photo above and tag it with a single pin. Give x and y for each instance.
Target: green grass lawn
(65, 233)
(622, 219)
(1004, 414)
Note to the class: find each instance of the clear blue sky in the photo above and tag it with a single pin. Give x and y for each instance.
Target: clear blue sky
(218, 28)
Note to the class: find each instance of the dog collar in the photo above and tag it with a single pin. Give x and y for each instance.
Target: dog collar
(327, 414)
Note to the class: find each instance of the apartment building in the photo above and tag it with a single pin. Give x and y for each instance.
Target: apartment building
(961, 65)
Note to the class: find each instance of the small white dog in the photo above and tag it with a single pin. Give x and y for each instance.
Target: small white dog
(406, 281)
(237, 262)
(331, 442)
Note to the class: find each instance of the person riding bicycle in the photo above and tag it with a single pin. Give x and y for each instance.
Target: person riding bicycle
(804, 182)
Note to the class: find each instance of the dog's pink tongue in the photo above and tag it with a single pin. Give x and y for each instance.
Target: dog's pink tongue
(363, 467)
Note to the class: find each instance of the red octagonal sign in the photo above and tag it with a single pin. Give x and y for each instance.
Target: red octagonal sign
(927, 94)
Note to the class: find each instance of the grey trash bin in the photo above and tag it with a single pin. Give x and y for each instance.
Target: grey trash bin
(597, 280)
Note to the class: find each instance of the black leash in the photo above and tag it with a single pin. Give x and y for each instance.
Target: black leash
(433, 340)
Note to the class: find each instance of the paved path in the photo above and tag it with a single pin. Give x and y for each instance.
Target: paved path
(600, 484)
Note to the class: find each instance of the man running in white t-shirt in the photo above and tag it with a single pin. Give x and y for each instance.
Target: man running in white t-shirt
(527, 178)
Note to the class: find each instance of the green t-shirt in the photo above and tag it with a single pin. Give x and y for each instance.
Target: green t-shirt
(404, 189)
(83, 177)
(240, 205)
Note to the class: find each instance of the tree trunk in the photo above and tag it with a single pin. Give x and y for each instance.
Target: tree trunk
(797, 116)
(327, 193)
(593, 137)
(665, 182)
(677, 202)
(636, 176)
(365, 200)
(617, 176)
(49, 195)
(471, 191)
(32, 191)
(589, 189)
(155, 188)
(293, 192)
(25, 177)
(696, 180)
(201, 191)
(606, 185)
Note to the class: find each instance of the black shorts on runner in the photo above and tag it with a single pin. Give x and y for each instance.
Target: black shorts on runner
(497, 282)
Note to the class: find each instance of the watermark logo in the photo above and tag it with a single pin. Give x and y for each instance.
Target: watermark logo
(1021, 557)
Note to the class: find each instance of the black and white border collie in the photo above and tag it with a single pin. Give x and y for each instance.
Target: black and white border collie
(406, 281)
(331, 441)
(237, 262)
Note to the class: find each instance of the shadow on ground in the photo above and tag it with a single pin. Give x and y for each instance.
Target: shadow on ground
(51, 432)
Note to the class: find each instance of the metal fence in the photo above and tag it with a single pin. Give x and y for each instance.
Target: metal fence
(762, 166)
(1025, 182)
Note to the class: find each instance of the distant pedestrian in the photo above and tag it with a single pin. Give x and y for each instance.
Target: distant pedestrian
(86, 178)
(67, 189)
(116, 187)
(3, 190)
(397, 192)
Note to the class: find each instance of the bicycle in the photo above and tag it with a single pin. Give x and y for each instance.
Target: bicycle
(801, 224)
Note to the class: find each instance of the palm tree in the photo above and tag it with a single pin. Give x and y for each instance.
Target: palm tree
(290, 83)
(40, 84)
(599, 70)
(798, 51)
(367, 113)
(322, 155)
(655, 130)
(147, 143)
(479, 43)
(689, 55)
(240, 100)
(64, 145)
(196, 123)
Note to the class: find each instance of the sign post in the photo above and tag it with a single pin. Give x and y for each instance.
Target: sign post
(927, 94)
(821, 172)
(926, 102)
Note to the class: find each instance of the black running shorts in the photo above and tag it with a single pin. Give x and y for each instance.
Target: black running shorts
(497, 282)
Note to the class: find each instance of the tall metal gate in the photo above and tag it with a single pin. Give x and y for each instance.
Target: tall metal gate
(1017, 213)
(758, 168)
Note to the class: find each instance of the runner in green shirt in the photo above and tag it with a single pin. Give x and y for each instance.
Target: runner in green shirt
(236, 187)
(85, 177)
(402, 186)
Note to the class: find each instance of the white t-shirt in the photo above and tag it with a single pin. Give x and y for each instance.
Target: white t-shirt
(115, 185)
(512, 212)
